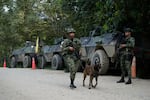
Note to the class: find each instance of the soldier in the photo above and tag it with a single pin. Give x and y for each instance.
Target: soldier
(126, 55)
(71, 48)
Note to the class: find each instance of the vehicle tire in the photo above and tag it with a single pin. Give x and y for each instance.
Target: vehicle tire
(57, 62)
(41, 62)
(13, 62)
(101, 56)
(27, 62)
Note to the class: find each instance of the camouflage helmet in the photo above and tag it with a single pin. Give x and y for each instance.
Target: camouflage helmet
(127, 30)
(70, 30)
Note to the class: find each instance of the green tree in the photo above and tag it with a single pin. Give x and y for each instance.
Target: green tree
(22, 19)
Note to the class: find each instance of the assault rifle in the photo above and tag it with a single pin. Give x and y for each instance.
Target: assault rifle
(76, 53)
(117, 55)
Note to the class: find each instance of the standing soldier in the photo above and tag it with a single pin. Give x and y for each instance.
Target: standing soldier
(71, 48)
(126, 55)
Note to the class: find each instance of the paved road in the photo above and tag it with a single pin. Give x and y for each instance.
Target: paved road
(28, 84)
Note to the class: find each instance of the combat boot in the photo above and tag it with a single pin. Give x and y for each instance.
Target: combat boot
(129, 81)
(72, 84)
(121, 80)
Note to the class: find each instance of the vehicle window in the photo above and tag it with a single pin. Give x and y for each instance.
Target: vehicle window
(58, 40)
(108, 37)
(84, 40)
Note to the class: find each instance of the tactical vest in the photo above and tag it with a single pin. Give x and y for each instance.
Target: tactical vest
(75, 43)
(130, 42)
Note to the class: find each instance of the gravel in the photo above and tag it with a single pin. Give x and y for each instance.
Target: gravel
(28, 84)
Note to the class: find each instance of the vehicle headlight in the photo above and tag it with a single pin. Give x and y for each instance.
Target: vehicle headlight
(32, 46)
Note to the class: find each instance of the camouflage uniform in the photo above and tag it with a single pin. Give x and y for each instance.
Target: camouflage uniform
(126, 56)
(70, 57)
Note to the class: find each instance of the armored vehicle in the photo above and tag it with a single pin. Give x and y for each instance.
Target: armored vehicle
(51, 54)
(101, 48)
(23, 55)
(95, 47)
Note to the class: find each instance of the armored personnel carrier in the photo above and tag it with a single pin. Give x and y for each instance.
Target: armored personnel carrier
(95, 47)
(51, 54)
(23, 55)
(101, 48)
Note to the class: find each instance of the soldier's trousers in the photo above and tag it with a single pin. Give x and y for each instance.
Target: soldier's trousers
(125, 64)
(72, 64)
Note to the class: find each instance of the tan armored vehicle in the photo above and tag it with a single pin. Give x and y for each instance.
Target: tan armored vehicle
(101, 48)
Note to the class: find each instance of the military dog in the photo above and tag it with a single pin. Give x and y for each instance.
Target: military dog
(92, 71)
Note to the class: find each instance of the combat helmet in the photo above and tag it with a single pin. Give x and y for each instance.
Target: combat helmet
(70, 30)
(127, 30)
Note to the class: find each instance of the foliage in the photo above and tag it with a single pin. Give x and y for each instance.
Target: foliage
(21, 20)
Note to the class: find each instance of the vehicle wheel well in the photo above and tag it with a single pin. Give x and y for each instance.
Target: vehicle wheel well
(57, 53)
(27, 55)
(101, 48)
(12, 56)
